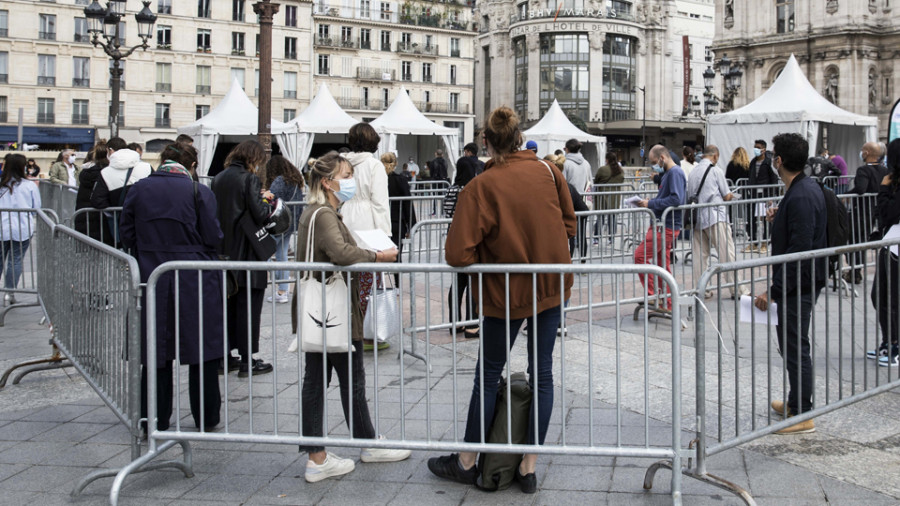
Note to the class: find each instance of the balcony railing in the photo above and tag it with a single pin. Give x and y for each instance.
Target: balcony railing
(46, 117)
(203, 89)
(290, 55)
(4, 116)
(164, 87)
(4, 78)
(365, 44)
(406, 77)
(47, 80)
(47, 35)
(375, 74)
(82, 37)
(362, 104)
(337, 42)
(237, 52)
(415, 48)
(443, 107)
(81, 83)
(162, 123)
(80, 119)
(426, 78)
(454, 53)
(163, 46)
(4, 32)
(290, 93)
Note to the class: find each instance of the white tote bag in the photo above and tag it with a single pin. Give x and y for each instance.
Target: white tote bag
(383, 315)
(324, 321)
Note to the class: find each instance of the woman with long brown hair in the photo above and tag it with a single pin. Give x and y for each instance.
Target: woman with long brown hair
(286, 182)
(493, 223)
(238, 192)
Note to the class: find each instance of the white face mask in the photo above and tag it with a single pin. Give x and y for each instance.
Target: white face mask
(71, 159)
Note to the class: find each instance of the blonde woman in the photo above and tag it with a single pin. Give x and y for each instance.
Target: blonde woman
(331, 185)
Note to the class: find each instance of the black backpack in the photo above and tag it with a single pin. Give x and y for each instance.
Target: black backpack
(838, 224)
(450, 200)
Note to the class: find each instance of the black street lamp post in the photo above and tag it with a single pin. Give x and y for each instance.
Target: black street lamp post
(732, 75)
(106, 23)
(643, 125)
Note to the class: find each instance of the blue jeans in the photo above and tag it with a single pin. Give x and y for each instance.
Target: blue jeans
(494, 345)
(282, 245)
(13, 252)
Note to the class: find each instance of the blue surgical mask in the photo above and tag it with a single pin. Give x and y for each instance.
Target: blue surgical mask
(756, 152)
(657, 168)
(347, 191)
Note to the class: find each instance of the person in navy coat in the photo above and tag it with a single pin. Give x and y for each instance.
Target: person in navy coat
(168, 216)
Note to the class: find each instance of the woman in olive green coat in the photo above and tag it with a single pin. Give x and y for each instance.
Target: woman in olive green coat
(610, 174)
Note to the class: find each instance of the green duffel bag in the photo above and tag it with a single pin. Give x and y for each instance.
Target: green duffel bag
(497, 470)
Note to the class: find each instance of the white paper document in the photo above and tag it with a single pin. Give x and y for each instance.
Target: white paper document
(632, 201)
(750, 314)
(893, 233)
(375, 240)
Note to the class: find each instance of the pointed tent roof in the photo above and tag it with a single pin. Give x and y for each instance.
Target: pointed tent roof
(323, 115)
(556, 126)
(234, 115)
(791, 98)
(403, 118)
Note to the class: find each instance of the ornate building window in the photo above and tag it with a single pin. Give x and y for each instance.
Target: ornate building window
(619, 65)
(784, 16)
(520, 49)
(565, 72)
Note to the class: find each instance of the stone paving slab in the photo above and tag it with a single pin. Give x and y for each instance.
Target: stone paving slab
(54, 430)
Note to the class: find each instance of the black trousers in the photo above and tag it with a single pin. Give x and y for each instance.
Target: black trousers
(885, 293)
(212, 398)
(463, 292)
(794, 346)
(238, 317)
(580, 237)
(317, 377)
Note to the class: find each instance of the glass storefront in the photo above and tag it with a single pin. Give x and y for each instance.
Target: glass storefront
(619, 65)
(565, 72)
(521, 69)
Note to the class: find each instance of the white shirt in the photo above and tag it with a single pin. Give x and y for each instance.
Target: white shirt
(18, 226)
(71, 170)
(715, 188)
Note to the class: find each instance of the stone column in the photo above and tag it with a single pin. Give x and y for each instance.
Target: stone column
(533, 42)
(596, 98)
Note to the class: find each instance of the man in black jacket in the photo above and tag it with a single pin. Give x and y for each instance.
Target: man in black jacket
(799, 223)
(468, 166)
(438, 167)
(761, 173)
(868, 180)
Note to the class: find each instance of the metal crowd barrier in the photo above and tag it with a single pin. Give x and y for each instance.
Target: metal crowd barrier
(59, 198)
(429, 186)
(19, 249)
(839, 184)
(739, 370)
(205, 180)
(42, 271)
(100, 224)
(93, 305)
(422, 409)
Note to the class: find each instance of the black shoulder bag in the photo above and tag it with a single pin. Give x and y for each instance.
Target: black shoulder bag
(689, 218)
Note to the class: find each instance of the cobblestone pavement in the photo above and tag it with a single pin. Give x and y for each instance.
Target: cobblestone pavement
(54, 430)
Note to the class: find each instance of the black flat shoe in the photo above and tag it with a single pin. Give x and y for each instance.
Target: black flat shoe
(472, 332)
(234, 364)
(527, 483)
(259, 367)
(449, 468)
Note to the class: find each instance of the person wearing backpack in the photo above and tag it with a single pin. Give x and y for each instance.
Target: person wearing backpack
(886, 287)
(798, 224)
(868, 180)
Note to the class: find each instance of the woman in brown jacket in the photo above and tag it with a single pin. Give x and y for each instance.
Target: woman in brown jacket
(331, 184)
(518, 211)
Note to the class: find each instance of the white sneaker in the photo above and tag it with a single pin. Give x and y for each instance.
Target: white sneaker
(383, 454)
(333, 466)
(281, 298)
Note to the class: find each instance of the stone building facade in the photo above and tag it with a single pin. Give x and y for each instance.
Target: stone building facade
(50, 70)
(594, 58)
(847, 48)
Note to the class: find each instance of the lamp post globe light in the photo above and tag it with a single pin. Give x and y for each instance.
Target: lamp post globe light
(105, 23)
(731, 75)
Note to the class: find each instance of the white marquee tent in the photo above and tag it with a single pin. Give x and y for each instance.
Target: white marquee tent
(323, 117)
(234, 119)
(554, 129)
(791, 104)
(405, 131)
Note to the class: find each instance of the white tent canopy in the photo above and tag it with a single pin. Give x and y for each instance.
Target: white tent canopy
(791, 104)
(323, 116)
(401, 120)
(554, 129)
(234, 116)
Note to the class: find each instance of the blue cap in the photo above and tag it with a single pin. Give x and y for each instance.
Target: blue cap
(531, 145)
